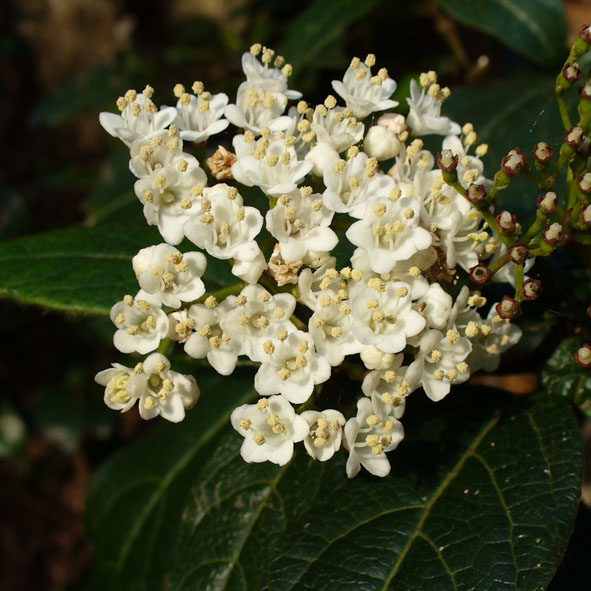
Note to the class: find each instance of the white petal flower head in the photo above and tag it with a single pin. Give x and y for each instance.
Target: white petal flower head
(139, 117)
(173, 277)
(162, 391)
(199, 117)
(141, 323)
(388, 389)
(272, 79)
(256, 317)
(322, 156)
(336, 127)
(352, 183)
(383, 315)
(301, 223)
(326, 433)
(440, 363)
(368, 437)
(470, 168)
(226, 228)
(270, 428)
(374, 359)
(209, 340)
(250, 271)
(364, 93)
(464, 241)
(330, 328)
(309, 282)
(381, 143)
(169, 195)
(390, 232)
(156, 151)
(291, 367)
(436, 306)
(425, 114)
(276, 169)
(115, 379)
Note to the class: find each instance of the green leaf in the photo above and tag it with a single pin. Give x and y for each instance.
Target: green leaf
(83, 269)
(562, 376)
(534, 28)
(320, 24)
(477, 499)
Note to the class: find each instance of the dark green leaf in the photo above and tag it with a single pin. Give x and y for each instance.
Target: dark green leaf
(562, 376)
(319, 25)
(83, 269)
(478, 499)
(534, 28)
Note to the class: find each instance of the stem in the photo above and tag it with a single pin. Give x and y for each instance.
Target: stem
(563, 110)
(519, 276)
(298, 323)
(536, 226)
(165, 347)
(498, 264)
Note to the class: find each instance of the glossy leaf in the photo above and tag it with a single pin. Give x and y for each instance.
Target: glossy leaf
(534, 28)
(319, 25)
(563, 377)
(477, 499)
(82, 269)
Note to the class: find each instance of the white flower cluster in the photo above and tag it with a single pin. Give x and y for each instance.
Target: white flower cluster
(389, 308)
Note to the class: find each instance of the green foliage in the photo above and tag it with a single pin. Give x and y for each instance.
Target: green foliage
(478, 498)
(562, 376)
(534, 28)
(82, 269)
(318, 26)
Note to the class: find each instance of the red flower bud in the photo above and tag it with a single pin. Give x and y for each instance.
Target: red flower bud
(585, 215)
(543, 152)
(506, 221)
(518, 253)
(531, 289)
(480, 273)
(507, 308)
(586, 33)
(547, 203)
(475, 193)
(553, 233)
(583, 356)
(574, 137)
(513, 162)
(447, 161)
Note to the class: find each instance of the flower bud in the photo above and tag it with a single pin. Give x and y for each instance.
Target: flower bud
(584, 183)
(553, 234)
(507, 308)
(513, 162)
(506, 221)
(571, 72)
(585, 33)
(585, 215)
(322, 156)
(393, 121)
(531, 289)
(583, 356)
(447, 161)
(547, 203)
(584, 150)
(381, 143)
(585, 92)
(574, 137)
(543, 152)
(375, 359)
(480, 273)
(475, 193)
(518, 253)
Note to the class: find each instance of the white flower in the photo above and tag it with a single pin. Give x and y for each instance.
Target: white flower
(336, 127)
(162, 391)
(207, 339)
(115, 380)
(351, 184)
(270, 428)
(156, 151)
(381, 143)
(139, 117)
(368, 437)
(275, 170)
(364, 93)
(268, 78)
(169, 194)
(250, 271)
(383, 316)
(199, 117)
(326, 433)
(291, 367)
(309, 282)
(373, 358)
(301, 223)
(389, 388)
(258, 316)
(170, 275)
(436, 306)
(141, 323)
(330, 328)
(322, 156)
(440, 362)
(425, 114)
(390, 232)
(463, 241)
(226, 228)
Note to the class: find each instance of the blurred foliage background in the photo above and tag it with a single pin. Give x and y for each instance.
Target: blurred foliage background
(64, 61)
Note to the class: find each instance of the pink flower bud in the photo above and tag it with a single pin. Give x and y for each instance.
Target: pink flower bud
(475, 193)
(507, 308)
(518, 253)
(586, 33)
(513, 162)
(506, 221)
(571, 72)
(585, 92)
(574, 136)
(543, 152)
(547, 203)
(480, 273)
(447, 161)
(531, 289)
(553, 234)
